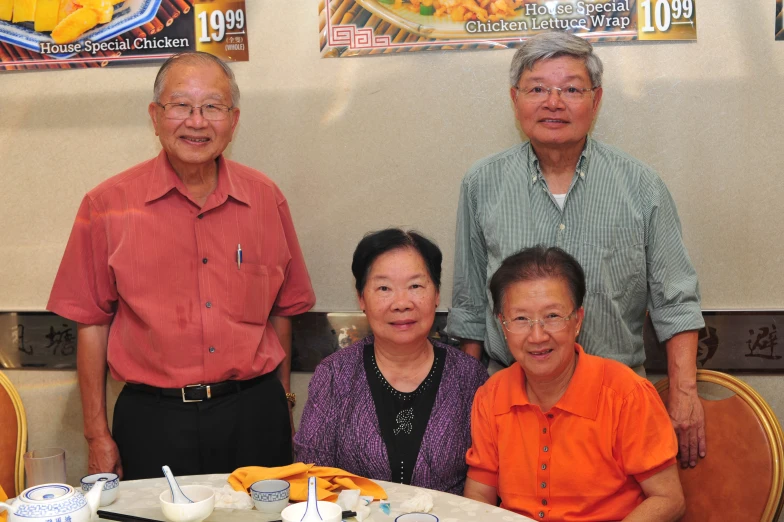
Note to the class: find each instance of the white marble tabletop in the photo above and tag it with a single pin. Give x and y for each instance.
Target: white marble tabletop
(140, 498)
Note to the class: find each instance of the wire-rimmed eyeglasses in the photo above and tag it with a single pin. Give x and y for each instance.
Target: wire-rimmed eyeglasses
(550, 324)
(183, 111)
(539, 93)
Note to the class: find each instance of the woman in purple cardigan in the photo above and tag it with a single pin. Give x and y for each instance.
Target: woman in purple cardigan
(395, 406)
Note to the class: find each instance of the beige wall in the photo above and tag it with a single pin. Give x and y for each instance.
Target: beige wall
(359, 144)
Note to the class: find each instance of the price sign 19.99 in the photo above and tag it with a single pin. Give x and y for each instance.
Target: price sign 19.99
(221, 28)
(667, 20)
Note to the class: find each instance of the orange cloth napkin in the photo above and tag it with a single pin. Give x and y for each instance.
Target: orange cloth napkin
(3, 498)
(329, 481)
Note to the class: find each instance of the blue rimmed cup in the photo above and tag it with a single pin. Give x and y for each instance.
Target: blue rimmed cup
(270, 496)
(110, 488)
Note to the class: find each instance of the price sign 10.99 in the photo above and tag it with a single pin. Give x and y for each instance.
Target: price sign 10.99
(666, 20)
(221, 29)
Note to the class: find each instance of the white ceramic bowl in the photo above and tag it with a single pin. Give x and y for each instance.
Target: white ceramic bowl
(110, 487)
(329, 511)
(417, 517)
(203, 498)
(270, 496)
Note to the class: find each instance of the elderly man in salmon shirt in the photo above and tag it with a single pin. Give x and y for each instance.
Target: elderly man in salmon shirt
(182, 273)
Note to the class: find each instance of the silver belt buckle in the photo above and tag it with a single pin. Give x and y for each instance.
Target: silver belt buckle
(209, 393)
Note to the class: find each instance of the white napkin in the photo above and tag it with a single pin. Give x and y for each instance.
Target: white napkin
(421, 502)
(349, 500)
(226, 497)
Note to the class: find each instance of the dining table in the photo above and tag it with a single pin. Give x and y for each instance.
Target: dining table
(140, 498)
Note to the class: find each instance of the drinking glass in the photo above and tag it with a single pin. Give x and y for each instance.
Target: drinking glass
(45, 466)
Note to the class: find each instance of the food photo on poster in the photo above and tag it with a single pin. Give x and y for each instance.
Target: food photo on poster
(64, 34)
(359, 27)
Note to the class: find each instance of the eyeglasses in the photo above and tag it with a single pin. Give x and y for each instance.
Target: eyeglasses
(182, 111)
(550, 324)
(540, 93)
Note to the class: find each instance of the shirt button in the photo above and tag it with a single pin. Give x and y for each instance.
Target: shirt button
(549, 415)
(561, 226)
(544, 485)
(545, 449)
(582, 174)
(544, 466)
(544, 501)
(204, 260)
(533, 178)
(544, 430)
(541, 514)
(200, 216)
(212, 349)
(209, 304)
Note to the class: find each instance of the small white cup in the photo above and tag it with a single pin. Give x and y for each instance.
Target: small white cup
(270, 496)
(203, 498)
(329, 511)
(110, 488)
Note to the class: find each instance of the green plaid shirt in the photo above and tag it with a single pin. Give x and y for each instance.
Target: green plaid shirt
(619, 221)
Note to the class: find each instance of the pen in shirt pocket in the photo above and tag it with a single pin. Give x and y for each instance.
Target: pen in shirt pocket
(239, 256)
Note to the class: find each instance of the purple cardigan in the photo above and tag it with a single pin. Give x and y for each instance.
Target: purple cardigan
(340, 429)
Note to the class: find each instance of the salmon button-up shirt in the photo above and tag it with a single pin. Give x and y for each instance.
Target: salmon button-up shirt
(165, 274)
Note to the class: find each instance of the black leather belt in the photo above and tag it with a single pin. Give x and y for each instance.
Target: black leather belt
(201, 392)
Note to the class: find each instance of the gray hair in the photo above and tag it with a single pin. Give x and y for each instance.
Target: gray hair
(555, 44)
(195, 58)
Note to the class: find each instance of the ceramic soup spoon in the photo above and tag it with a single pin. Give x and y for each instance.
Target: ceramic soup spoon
(178, 497)
(311, 510)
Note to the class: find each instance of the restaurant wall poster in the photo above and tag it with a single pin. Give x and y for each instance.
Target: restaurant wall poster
(779, 25)
(67, 34)
(361, 27)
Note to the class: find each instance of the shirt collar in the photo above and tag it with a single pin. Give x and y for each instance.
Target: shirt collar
(582, 394)
(164, 179)
(582, 164)
(581, 397)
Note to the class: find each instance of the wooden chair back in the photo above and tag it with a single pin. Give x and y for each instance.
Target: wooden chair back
(13, 438)
(740, 478)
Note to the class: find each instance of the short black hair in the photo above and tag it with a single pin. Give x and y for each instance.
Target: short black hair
(534, 263)
(377, 243)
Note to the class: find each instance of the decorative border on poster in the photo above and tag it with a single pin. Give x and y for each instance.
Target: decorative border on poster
(661, 20)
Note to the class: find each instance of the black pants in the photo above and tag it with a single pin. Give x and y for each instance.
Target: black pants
(248, 428)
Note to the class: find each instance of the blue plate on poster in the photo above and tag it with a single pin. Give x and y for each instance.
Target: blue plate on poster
(127, 15)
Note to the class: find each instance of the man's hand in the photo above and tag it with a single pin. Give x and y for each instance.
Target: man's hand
(684, 406)
(291, 419)
(688, 419)
(104, 457)
(472, 348)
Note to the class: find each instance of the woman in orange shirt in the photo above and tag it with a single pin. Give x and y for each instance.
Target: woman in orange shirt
(564, 435)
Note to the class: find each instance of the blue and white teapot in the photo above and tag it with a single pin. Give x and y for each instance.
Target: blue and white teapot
(54, 503)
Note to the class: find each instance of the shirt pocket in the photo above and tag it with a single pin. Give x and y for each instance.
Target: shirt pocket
(254, 294)
(613, 259)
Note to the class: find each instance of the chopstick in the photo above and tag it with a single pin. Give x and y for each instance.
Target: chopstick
(122, 517)
(345, 514)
